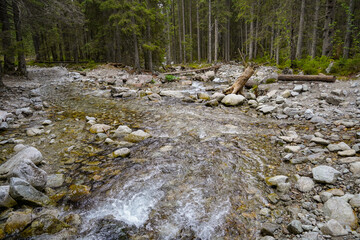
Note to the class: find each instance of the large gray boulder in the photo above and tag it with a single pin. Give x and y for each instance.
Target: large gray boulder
(27, 170)
(325, 174)
(339, 209)
(5, 199)
(233, 100)
(21, 190)
(305, 184)
(333, 228)
(30, 153)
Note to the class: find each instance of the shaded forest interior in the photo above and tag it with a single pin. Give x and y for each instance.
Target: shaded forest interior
(147, 33)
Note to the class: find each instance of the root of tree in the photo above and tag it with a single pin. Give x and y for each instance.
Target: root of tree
(238, 86)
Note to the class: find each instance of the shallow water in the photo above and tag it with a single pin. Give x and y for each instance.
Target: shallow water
(200, 175)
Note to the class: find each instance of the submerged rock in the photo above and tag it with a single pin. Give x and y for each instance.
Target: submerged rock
(77, 192)
(137, 136)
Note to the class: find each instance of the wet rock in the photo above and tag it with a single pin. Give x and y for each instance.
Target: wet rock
(292, 149)
(47, 122)
(305, 184)
(295, 227)
(268, 229)
(21, 190)
(355, 168)
(319, 140)
(337, 208)
(347, 153)
(27, 170)
(210, 75)
(73, 219)
(333, 228)
(113, 229)
(55, 180)
(99, 128)
(170, 93)
(5, 199)
(77, 192)
(203, 96)
(137, 136)
(218, 96)
(122, 131)
(355, 201)
(265, 109)
(34, 131)
(212, 103)
(233, 100)
(44, 224)
(122, 152)
(275, 181)
(17, 221)
(325, 174)
(154, 97)
(30, 153)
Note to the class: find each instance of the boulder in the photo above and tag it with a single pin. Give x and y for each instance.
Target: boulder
(17, 221)
(295, 227)
(334, 100)
(233, 100)
(154, 97)
(77, 192)
(338, 147)
(308, 114)
(265, 109)
(34, 131)
(137, 136)
(5, 199)
(325, 174)
(122, 131)
(27, 170)
(30, 153)
(292, 149)
(55, 180)
(339, 209)
(268, 229)
(355, 201)
(355, 168)
(171, 93)
(203, 96)
(253, 103)
(218, 96)
(275, 181)
(333, 228)
(212, 103)
(99, 128)
(21, 190)
(347, 153)
(319, 140)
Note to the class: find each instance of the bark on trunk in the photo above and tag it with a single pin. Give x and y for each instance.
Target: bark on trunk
(198, 32)
(301, 31)
(251, 37)
(349, 23)
(216, 41)
(9, 57)
(2, 85)
(183, 26)
(315, 29)
(168, 52)
(328, 27)
(190, 32)
(209, 39)
(136, 53)
(179, 29)
(319, 78)
(238, 86)
(20, 51)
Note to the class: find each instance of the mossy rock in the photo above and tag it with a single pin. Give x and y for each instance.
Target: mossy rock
(270, 80)
(76, 192)
(17, 222)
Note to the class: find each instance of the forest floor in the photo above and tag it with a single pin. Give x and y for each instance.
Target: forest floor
(294, 146)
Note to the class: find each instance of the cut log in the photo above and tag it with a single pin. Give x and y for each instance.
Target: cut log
(309, 78)
(215, 68)
(238, 86)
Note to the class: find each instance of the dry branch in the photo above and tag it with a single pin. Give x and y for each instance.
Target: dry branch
(320, 78)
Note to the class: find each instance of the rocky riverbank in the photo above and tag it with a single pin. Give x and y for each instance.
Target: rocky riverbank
(55, 157)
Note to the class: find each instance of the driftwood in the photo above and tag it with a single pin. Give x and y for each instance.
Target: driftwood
(215, 68)
(238, 86)
(320, 78)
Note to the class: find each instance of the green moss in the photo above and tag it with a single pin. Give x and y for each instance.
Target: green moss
(170, 78)
(270, 80)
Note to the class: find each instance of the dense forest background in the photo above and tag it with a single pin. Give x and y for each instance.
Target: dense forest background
(147, 33)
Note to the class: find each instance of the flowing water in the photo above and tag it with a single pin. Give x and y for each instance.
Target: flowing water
(200, 175)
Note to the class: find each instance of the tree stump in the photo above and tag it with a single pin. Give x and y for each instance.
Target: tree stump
(238, 86)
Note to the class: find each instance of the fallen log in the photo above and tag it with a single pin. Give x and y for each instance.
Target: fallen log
(319, 78)
(215, 68)
(238, 86)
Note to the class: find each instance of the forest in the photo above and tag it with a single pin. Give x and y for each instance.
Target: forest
(147, 34)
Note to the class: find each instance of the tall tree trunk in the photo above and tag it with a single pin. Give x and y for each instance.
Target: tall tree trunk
(179, 29)
(198, 32)
(349, 23)
(209, 30)
(315, 29)
(168, 50)
(277, 44)
(183, 26)
(301, 30)
(256, 38)
(2, 85)
(20, 49)
(150, 62)
(328, 27)
(292, 36)
(272, 37)
(251, 37)
(190, 31)
(216, 43)
(9, 57)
